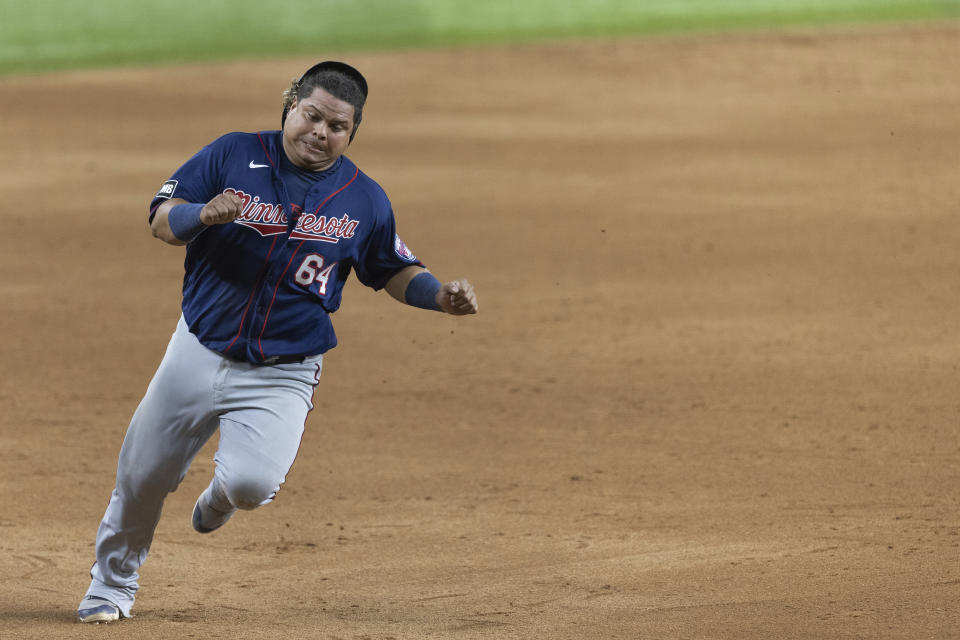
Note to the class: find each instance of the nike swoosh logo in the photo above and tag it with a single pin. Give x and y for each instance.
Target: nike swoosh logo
(257, 166)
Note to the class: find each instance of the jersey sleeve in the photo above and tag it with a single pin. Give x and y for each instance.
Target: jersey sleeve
(385, 253)
(199, 179)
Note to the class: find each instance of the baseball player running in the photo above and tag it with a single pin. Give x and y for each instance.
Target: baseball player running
(273, 223)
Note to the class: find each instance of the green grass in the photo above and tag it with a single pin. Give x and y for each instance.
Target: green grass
(42, 35)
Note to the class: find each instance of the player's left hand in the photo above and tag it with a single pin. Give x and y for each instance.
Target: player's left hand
(458, 298)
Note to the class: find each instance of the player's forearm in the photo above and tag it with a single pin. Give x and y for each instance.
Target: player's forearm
(456, 297)
(160, 225)
(178, 222)
(397, 285)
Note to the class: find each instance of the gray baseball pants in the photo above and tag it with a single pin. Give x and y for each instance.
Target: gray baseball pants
(260, 411)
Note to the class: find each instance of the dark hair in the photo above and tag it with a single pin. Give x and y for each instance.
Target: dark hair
(336, 78)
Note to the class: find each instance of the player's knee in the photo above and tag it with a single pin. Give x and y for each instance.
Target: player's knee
(250, 491)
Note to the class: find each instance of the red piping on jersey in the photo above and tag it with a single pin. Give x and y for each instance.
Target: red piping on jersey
(265, 152)
(349, 182)
(263, 271)
(275, 288)
(280, 279)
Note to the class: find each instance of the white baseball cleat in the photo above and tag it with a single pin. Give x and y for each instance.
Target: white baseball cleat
(96, 610)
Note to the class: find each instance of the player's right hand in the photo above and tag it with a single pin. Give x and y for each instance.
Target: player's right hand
(222, 209)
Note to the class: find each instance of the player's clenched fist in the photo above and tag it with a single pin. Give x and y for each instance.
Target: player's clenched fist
(222, 209)
(458, 298)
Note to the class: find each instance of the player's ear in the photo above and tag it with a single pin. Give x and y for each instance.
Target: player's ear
(354, 132)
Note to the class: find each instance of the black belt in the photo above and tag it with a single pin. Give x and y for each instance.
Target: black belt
(271, 360)
(284, 360)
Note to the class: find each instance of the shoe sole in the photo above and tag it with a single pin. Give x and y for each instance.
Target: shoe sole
(96, 617)
(197, 526)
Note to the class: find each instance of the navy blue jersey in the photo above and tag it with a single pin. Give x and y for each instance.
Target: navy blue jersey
(263, 286)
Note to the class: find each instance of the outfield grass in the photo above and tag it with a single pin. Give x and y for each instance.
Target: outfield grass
(40, 35)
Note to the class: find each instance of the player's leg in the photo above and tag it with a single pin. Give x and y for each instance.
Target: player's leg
(173, 421)
(259, 439)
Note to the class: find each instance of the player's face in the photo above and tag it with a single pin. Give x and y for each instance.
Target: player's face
(317, 130)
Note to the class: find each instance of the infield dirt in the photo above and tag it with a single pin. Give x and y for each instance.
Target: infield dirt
(712, 391)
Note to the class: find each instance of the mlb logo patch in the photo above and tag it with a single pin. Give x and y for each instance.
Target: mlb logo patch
(402, 251)
(167, 189)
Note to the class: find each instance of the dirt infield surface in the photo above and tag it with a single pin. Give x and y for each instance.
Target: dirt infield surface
(712, 391)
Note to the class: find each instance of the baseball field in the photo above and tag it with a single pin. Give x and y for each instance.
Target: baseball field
(713, 390)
